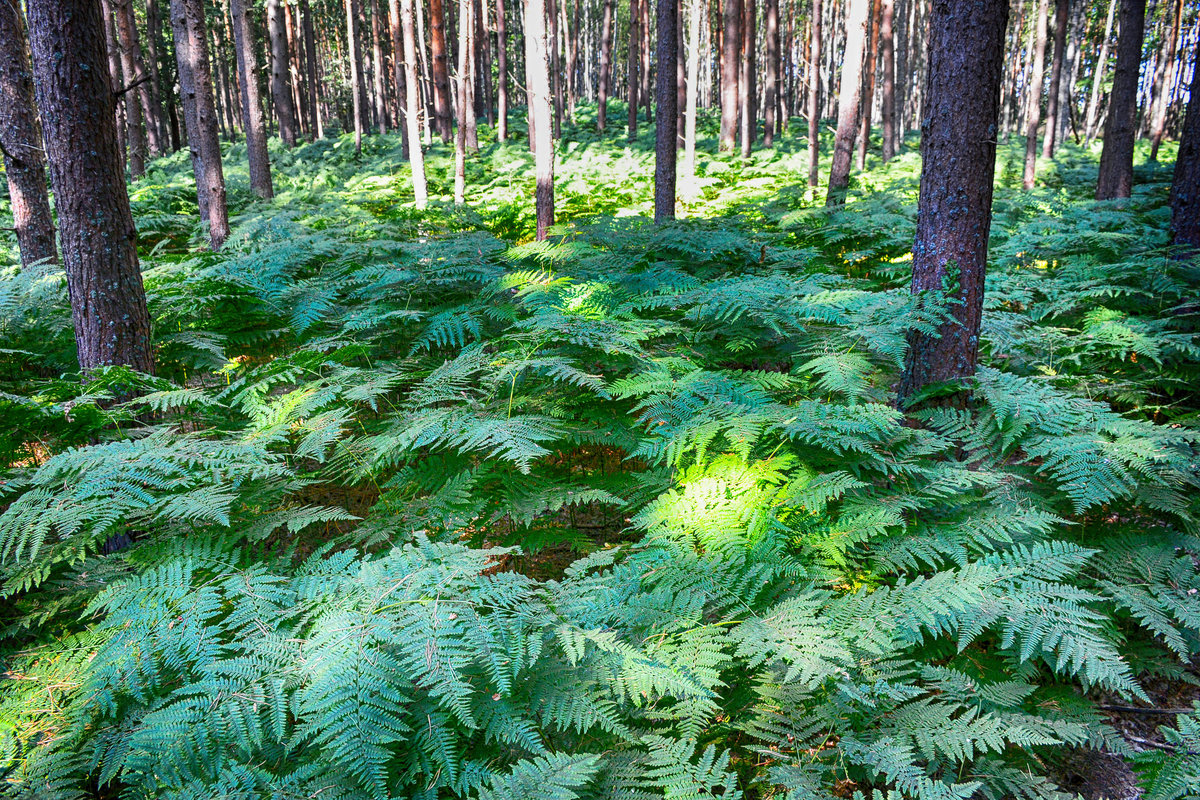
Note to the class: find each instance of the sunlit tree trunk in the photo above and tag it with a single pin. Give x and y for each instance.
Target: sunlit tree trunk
(731, 44)
(556, 80)
(665, 127)
(848, 101)
(1098, 76)
(887, 99)
(696, 10)
(440, 67)
(411, 94)
(814, 95)
(281, 89)
(466, 108)
(606, 42)
(502, 73)
(954, 210)
(771, 89)
(537, 79)
(632, 64)
(747, 82)
(104, 282)
(256, 129)
(21, 143)
(1033, 110)
(1116, 159)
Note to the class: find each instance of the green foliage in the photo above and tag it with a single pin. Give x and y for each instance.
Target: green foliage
(419, 508)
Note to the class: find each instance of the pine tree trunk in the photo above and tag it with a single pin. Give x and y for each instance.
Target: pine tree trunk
(748, 81)
(569, 33)
(295, 42)
(888, 65)
(256, 128)
(502, 74)
(556, 65)
(1033, 110)
(472, 134)
(158, 117)
(21, 143)
(644, 75)
(954, 211)
(680, 75)
(814, 95)
(848, 101)
(1065, 121)
(465, 108)
(135, 75)
(357, 85)
(631, 69)
(440, 68)
(411, 95)
(104, 283)
(868, 104)
(281, 89)
(114, 82)
(310, 47)
(200, 116)
(771, 89)
(1185, 188)
(1098, 76)
(731, 44)
(378, 73)
(665, 128)
(1116, 159)
(537, 79)
(1061, 14)
(606, 42)
(697, 9)
(1158, 114)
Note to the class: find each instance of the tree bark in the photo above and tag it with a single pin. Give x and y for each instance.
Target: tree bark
(502, 74)
(606, 42)
(747, 82)
(357, 85)
(153, 44)
(1116, 159)
(1158, 114)
(537, 78)
(310, 64)
(200, 116)
(135, 75)
(848, 100)
(1033, 111)
(281, 89)
(814, 95)
(665, 127)
(633, 62)
(1098, 76)
(1185, 188)
(104, 283)
(771, 87)
(256, 128)
(697, 8)
(954, 211)
(1062, 10)
(868, 104)
(114, 81)
(465, 107)
(411, 95)
(378, 73)
(440, 68)
(888, 64)
(731, 44)
(21, 143)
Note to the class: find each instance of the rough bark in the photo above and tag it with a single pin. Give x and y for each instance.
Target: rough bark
(502, 74)
(665, 127)
(1098, 76)
(153, 45)
(814, 95)
(357, 85)
(104, 283)
(115, 82)
(954, 210)
(887, 98)
(537, 79)
(200, 116)
(631, 69)
(1062, 9)
(412, 97)
(849, 94)
(606, 37)
(256, 128)
(134, 69)
(1116, 159)
(1185, 188)
(21, 143)
(440, 68)
(868, 103)
(771, 79)
(310, 64)
(1033, 110)
(281, 88)
(1158, 114)
(731, 43)
(747, 82)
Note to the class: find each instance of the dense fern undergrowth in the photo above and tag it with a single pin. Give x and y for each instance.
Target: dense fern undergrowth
(418, 508)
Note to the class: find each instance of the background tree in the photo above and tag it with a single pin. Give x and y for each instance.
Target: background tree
(252, 115)
(1033, 100)
(731, 39)
(99, 241)
(21, 142)
(281, 85)
(412, 95)
(502, 71)
(1158, 109)
(633, 64)
(440, 68)
(771, 82)
(849, 95)
(136, 78)
(537, 78)
(605, 76)
(814, 95)
(1053, 108)
(1098, 76)
(954, 209)
(887, 49)
(1185, 186)
(1116, 158)
(665, 126)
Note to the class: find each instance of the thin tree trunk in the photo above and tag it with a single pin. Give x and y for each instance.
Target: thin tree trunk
(747, 84)
(731, 44)
(569, 39)
(157, 117)
(848, 101)
(465, 108)
(1033, 111)
(281, 90)
(256, 129)
(537, 79)
(378, 73)
(295, 42)
(1098, 76)
(1185, 188)
(665, 128)
(310, 49)
(21, 143)
(1062, 10)
(631, 69)
(440, 67)
(135, 75)
(814, 95)
(556, 65)
(114, 82)
(606, 42)
(644, 75)
(104, 283)
(771, 90)
(868, 104)
(695, 12)
(502, 73)
(200, 116)
(1116, 159)
(411, 94)
(1159, 109)
(954, 212)
(888, 64)
(354, 56)
(1077, 30)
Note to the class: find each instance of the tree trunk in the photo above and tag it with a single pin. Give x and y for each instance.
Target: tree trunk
(281, 89)
(135, 74)
(104, 283)
(114, 82)
(158, 118)
(954, 211)
(814, 95)
(680, 75)
(1098, 76)
(771, 89)
(1077, 30)
(21, 143)
(1062, 10)
(1158, 115)
(502, 74)
(200, 116)
(378, 73)
(1116, 159)
(644, 74)
(698, 8)
(888, 64)
(731, 44)
(848, 101)
(357, 86)
(537, 79)
(310, 49)
(665, 127)
(606, 42)
(411, 95)
(465, 107)
(248, 74)
(747, 83)
(635, 40)
(1185, 188)
(1033, 111)
(556, 65)
(440, 68)
(868, 104)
